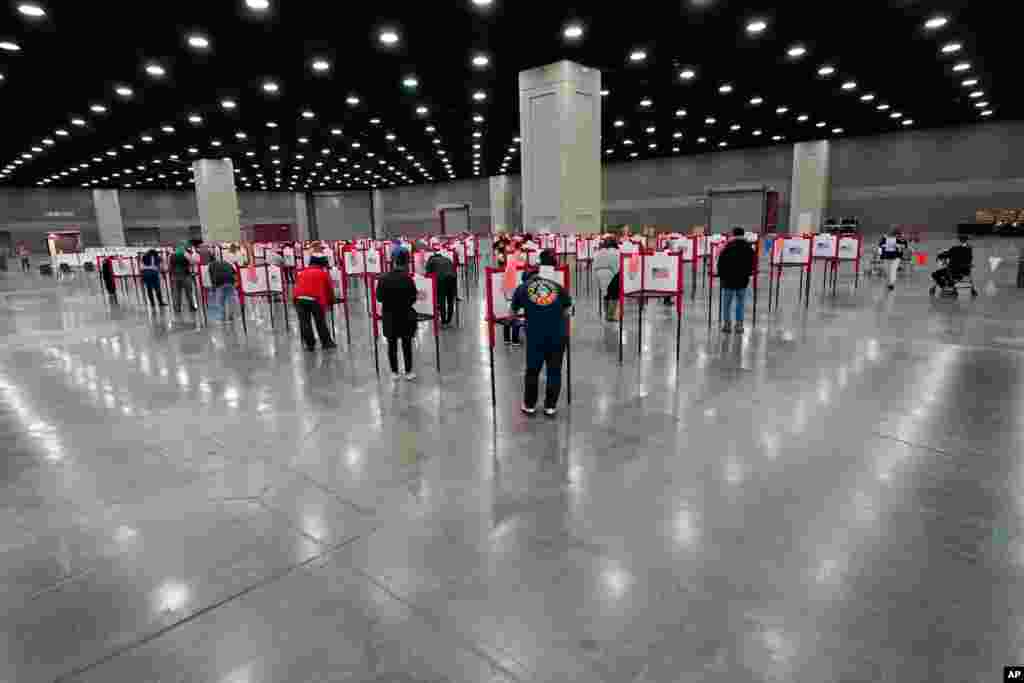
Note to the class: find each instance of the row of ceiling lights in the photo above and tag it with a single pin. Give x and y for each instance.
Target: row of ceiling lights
(962, 67)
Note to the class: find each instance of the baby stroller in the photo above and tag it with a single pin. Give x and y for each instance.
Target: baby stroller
(950, 280)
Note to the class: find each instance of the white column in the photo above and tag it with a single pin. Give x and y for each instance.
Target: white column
(301, 216)
(560, 127)
(379, 229)
(218, 201)
(811, 171)
(107, 204)
(499, 204)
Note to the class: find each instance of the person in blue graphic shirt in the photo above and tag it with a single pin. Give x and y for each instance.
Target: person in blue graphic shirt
(547, 307)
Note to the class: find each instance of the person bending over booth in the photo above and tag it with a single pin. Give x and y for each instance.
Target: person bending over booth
(735, 266)
(396, 293)
(959, 261)
(447, 284)
(547, 307)
(312, 296)
(606, 268)
(181, 278)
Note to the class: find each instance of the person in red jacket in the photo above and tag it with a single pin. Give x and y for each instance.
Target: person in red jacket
(313, 293)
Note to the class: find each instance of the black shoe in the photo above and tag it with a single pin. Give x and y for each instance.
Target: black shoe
(892, 287)
(163, 305)
(311, 348)
(328, 347)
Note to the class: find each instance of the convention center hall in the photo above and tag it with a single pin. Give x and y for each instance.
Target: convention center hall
(482, 342)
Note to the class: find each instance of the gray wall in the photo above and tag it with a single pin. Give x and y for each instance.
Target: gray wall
(413, 210)
(29, 215)
(343, 215)
(934, 179)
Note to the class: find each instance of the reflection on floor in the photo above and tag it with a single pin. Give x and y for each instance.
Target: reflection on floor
(832, 497)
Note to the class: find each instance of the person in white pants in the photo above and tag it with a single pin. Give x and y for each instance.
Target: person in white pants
(891, 253)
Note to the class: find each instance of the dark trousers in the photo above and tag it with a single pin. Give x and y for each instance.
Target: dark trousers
(612, 293)
(308, 313)
(182, 289)
(25, 264)
(537, 356)
(447, 291)
(946, 277)
(406, 353)
(511, 330)
(152, 283)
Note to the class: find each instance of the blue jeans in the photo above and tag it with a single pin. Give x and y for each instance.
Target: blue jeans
(728, 297)
(222, 301)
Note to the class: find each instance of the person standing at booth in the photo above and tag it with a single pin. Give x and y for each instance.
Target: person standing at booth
(735, 266)
(107, 271)
(23, 253)
(181, 278)
(224, 296)
(547, 307)
(447, 284)
(606, 267)
(396, 293)
(151, 277)
(313, 294)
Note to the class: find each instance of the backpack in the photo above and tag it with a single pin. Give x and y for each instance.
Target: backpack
(221, 273)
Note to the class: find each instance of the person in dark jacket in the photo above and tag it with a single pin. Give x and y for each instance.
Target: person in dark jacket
(313, 295)
(224, 295)
(107, 270)
(181, 278)
(151, 277)
(735, 266)
(396, 294)
(547, 306)
(447, 284)
(890, 249)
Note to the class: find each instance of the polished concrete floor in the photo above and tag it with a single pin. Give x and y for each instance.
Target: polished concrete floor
(835, 496)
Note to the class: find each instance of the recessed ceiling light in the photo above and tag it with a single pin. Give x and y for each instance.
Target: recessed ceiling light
(850, 85)
(627, 142)
(950, 48)
(335, 131)
(826, 70)
(410, 82)
(605, 92)
(240, 135)
(646, 102)
(725, 88)
(573, 32)
(167, 129)
(907, 122)
(896, 115)
(867, 98)
(388, 37)
(987, 112)
(981, 105)
(430, 129)
(78, 122)
(9, 46)
(637, 56)
(228, 104)
(936, 23)
(796, 51)
(479, 96)
(199, 42)
(802, 118)
(49, 142)
(274, 148)
(124, 91)
(195, 118)
(710, 121)
(687, 74)
(680, 113)
(735, 127)
(723, 143)
(271, 87)
(352, 100)
(258, 4)
(98, 109)
(155, 70)
(882, 107)
(757, 133)
(756, 26)
(756, 101)
(962, 66)
(478, 119)
(976, 94)
(781, 110)
(650, 129)
(970, 83)
(30, 9)
(837, 131)
(422, 111)
(618, 123)
(271, 124)
(308, 114)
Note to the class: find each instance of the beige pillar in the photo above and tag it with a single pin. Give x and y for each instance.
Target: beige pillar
(107, 204)
(218, 201)
(499, 204)
(560, 127)
(809, 201)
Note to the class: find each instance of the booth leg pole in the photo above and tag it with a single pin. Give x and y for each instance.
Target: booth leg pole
(348, 330)
(709, 307)
(679, 331)
(494, 394)
(807, 294)
(437, 349)
(376, 356)
(621, 316)
(755, 300)
(270, 305)
(245, 324)
(568, 368)
(334, 329)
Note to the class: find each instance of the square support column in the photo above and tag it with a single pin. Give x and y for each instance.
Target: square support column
(560, 127)
(107, 204)
(499, 204)
(218, 200)
(811, 180)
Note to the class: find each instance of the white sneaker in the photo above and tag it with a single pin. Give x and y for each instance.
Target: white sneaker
(550, 412)
(528, 411)
(410, 376)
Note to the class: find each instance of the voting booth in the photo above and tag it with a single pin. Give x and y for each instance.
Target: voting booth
(833, 250)
(263, 282)
(426, 309)
(650, 275)
(790, 252)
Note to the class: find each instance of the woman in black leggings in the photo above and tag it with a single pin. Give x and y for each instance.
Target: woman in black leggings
(396, 293)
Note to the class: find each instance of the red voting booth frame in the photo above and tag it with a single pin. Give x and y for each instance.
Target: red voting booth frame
(643, 294)
(420, 317)
(493, 320)
(266, 295)
(714, 251)
(830, 276)
(775, 271)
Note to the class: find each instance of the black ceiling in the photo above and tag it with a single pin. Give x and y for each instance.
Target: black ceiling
(80, 52)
